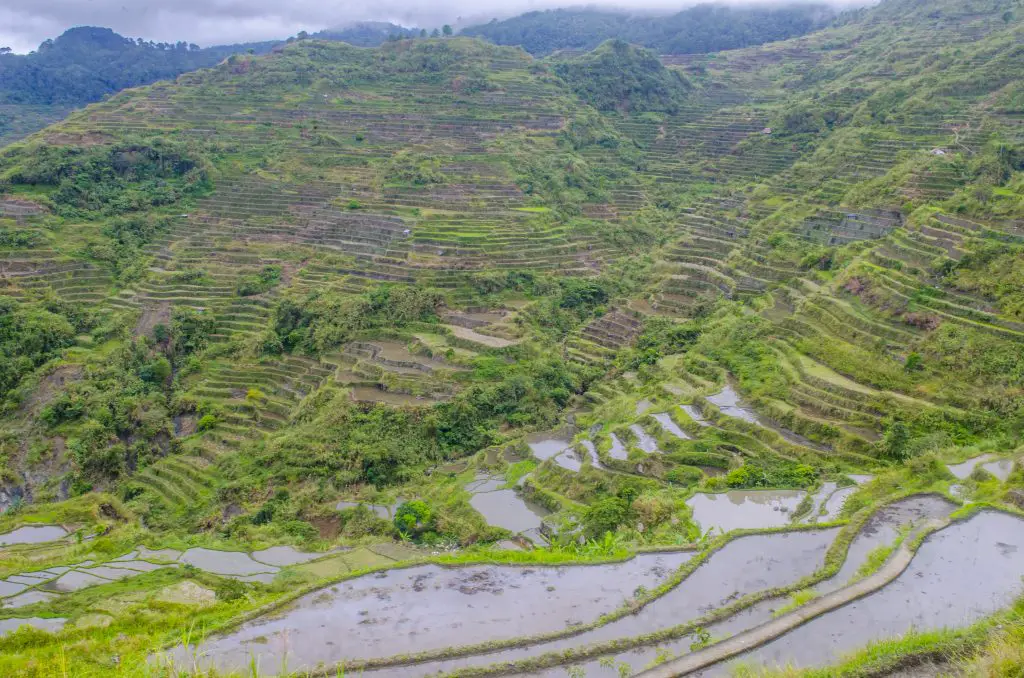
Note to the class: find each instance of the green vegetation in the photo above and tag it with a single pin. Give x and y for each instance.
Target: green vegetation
(700, 29)
(620, 77)
(347, 297)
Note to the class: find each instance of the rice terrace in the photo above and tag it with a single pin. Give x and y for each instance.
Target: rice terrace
(573, 344)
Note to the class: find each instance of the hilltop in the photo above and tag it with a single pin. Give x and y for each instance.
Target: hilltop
(87, 64)
(699, 29)
(443, 300)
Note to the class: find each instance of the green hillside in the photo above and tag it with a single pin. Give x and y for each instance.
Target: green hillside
(695, 30)
(332, 296)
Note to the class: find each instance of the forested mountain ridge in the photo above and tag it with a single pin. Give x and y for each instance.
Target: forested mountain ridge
(699, 29)
(86, 64)
(407, 300)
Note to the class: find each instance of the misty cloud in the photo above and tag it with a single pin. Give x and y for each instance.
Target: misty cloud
(26, 23)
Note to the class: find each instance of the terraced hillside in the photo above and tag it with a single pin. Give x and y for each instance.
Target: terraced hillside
(441, 301)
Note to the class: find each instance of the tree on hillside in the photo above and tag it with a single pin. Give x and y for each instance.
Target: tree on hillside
(699, 29)
(447, 30)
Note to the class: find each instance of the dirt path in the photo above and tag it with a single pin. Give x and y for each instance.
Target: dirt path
(755, 637)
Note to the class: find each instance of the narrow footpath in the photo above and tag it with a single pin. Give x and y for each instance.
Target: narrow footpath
(769, 631)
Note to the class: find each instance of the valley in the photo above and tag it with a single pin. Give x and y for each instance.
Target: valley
(439, 358)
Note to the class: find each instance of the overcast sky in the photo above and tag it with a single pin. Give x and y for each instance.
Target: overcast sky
(26, 23)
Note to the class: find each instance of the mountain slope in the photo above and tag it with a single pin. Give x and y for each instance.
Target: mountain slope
(699, 29)
(367, 275)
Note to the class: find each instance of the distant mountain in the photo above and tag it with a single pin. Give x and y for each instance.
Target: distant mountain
(366, 33)
(700, 29)
(87, 63)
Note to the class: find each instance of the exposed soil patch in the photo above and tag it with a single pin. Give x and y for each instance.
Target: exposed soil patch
(184, 425)
(152, 316)
(50, 386)
(77, 139)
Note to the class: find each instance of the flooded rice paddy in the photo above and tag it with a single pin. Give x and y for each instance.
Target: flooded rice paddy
(33, 534)
(665, 421)
(1000, 468)
(31, 587)
(425, 607)
(618, 450)
(694, 414)
(558, 447)
(728, 401)
(591, 451)
(964, 572)
(731, 404)
(746, 565)
(41, 623)
(383, 511)
(504, 507)
(644, 440)
(880, 530)
(743, 509)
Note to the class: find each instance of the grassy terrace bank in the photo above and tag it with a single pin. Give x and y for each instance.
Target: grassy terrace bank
(298, 321)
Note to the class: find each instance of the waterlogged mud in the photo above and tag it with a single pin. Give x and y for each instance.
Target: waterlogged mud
(960, 574)
(505, 508)
(728, 401)
(694, 414)
(591, 451)
(880, 530)
(33, 534)
(52, 625)
(644, 440)
(1000, 468)
(670, 426)
(558, 447)
(618, 450)
(739, 509)
(743, 566)
(426, 607)
(225, 562)
(834, 504)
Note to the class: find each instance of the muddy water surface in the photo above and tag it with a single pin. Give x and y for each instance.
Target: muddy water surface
(557, 447)
(618, 450)
(961, 574)
(881, 529)
(740, 509)
(672, 427)
(694, 414)
(52, 625)
(429, 607)
(743, 566)
(644, 440)
(505, 508)
(33, 534)
(591, 451)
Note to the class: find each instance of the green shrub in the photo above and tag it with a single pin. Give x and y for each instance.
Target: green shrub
(413, 518)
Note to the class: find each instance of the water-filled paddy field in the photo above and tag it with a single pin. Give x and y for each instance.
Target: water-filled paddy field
(421, 609)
